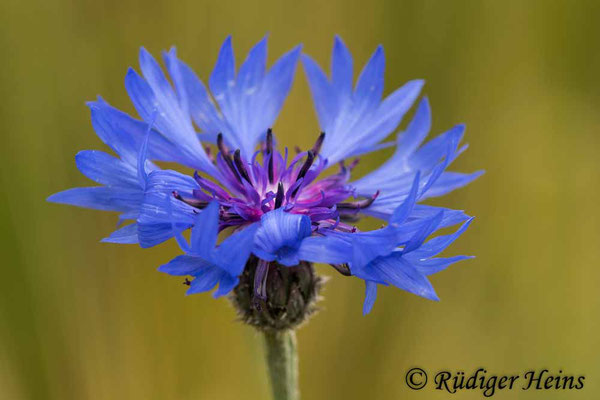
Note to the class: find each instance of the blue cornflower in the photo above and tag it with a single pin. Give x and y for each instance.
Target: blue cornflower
(283, 211)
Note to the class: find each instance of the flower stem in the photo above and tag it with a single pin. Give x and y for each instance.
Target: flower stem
(282, 362)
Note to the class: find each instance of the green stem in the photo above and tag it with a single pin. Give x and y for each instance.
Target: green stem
(282, 361)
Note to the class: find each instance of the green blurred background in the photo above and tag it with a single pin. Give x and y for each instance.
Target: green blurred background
(85, 320)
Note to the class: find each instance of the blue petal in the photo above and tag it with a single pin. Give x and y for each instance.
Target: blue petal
(159, 212)
(162, 216)
(369, 86)
(206, 280)
(101, 198)
(326, 105)
(250, 102)
(326, 250)
(396, 188)
(341, 69)
(450, 218)
(142, 173)
(369, 148)
(357, 249)
(205, 231)
(223, 75)
(243, 98)
(405, 209)
(163, 92)
(397, 168)
(184, 265)
(264, 107)
(450, 181)
(160, 109)
(422, 215)
(355, 122)
(194, 97)
(252, 70)
(416, 132)
(397, 271)
(116, 129)
(106, 169)
(428, 228)
(178, 235)
(370, 296)
(206, 275)
(124, 235)
(439, 168)
(438, 244)
(396, 105)
(125, 134)
(174, 69)
(226, 284)
(431, 152)
(366, 246)
(147, 104)
(166, 181)
(388, 116)
(233, 253)
(392, 178)
(435, 265)
(280, 235)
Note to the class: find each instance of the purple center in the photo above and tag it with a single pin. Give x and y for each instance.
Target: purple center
(250, 189)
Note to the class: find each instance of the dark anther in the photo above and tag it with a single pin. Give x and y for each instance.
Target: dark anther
(310, 157)
(187, 282)
(221, 145)
(192, 202)
(357, 205)
(354, 163)
(270, 153)
(269, 140)
(197, 177)
(343, 269)
(317, 146)
(240, 166)
(209, 153)
(279, 196)
(226, 156)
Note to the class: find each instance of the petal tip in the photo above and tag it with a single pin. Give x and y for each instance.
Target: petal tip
(53, 198)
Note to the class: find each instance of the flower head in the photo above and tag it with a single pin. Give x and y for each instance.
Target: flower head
(281, 210)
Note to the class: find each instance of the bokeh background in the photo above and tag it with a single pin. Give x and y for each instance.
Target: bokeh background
(85, 320)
